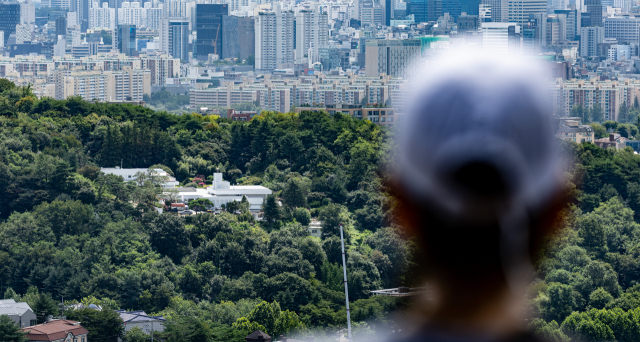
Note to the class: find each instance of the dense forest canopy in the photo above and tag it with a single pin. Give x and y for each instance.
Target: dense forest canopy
(68, 230)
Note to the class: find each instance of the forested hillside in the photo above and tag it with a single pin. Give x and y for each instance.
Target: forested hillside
(589, 282)
(70, 231)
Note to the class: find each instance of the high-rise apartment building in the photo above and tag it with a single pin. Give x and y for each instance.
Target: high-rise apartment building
(397, 58)
(132, 14)
(154, 15)
(174, 37)
(519, 10)
(625, 29)
(209, 29)
(590, 37)
(311, 33)
(27, 12)
(127, 39)
(102, 16)
(9, 18)
(274, 38)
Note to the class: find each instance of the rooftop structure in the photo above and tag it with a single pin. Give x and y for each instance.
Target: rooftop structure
(131, 174)
(141, 320)
(57, 330)
(20, 313)
(222, 192)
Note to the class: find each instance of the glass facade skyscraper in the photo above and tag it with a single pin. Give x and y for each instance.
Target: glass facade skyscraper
(127, 39)
(9, 18)
(209, 28)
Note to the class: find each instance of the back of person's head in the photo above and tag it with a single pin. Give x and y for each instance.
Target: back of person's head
(477, 169)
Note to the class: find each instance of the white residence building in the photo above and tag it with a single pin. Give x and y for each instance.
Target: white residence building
(222, 192)
(131, 175)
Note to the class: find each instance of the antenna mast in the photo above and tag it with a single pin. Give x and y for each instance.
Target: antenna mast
(346, 288)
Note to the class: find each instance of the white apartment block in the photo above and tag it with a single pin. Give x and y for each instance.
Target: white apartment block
(311, 33)
(609, 95)
(153, 17)
(132, 14)
(104, 16)
(274, 39)
(27, 12)
(128, 85)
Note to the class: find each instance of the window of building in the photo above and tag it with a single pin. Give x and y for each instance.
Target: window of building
(32, 322)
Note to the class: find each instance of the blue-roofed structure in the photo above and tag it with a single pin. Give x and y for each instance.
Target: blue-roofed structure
(141, 320)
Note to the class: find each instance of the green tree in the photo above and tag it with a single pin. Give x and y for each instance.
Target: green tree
(180, 328)
(105, 324)
(295, 193)
(599, 298)
(169, 236)
(596, 114)
(10, 331)
(136, 334)
(271, 210)
(561, 302)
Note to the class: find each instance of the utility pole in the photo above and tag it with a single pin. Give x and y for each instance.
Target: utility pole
(346, 288)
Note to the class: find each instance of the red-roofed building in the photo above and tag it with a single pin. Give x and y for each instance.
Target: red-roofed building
(61, 330)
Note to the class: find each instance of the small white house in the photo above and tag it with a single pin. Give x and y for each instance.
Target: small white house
(141, 320)
(315, 228)
(222, 192)
(20, 313)
(130, 175)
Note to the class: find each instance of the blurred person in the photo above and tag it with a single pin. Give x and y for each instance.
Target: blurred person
(478, 179)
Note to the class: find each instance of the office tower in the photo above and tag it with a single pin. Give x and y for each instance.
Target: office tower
(499, 10)
(594, 8)
(532, 33)
(468, 23)
(471, 7)
(555, 29)
(453, 7)
(419, 9)
(624, 29)
(370, 14)
(590, 37)
(274, 38)
(27, 12)
(61, 26)
(230, 37)
(174, 37)
(311, 33)
(102, 16)
(247, 35)
(388, 11)
(396, 58)
(519, 10)
(9, 18)
(434, 9)
(127, 39)
(132, 14)
(23, 33)
(209, 30)
(64, 4)
(572, 27)
(484, 11)
(501, 38)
